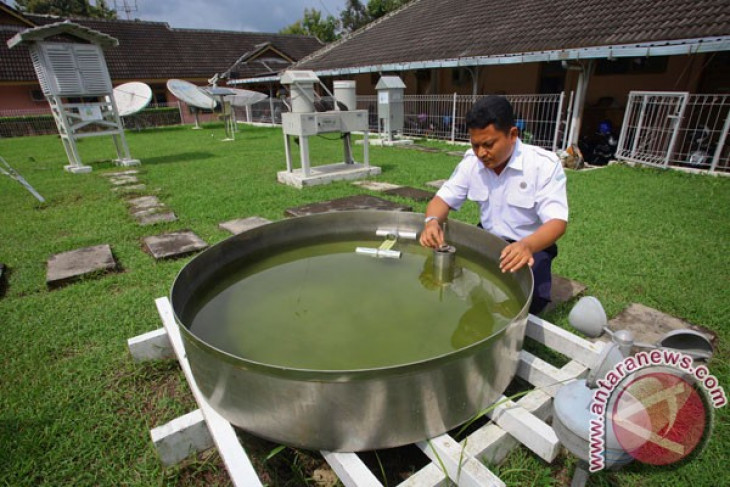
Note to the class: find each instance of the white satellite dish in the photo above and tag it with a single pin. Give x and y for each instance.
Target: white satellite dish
(131, 97)
(190, 94)
(244, 98)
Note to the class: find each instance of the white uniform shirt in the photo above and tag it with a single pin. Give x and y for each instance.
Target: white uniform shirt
(529, 191)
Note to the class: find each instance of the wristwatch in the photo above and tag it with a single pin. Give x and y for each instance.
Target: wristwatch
(429, 218)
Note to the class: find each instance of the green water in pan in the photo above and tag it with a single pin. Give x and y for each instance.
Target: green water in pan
(324, 307)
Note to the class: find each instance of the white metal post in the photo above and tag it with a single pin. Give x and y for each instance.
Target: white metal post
(580, 100)
(365, 149)
(558, 114)
(453, 120)
(304, 154)
(568, 115)
(624, 127)
(720, 143)
(639, 124)
(287, 151)
(676, 121)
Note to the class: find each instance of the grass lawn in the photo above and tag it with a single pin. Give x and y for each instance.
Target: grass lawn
(75, 409)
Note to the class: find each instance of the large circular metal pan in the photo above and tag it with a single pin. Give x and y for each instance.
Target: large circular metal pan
(359, 409)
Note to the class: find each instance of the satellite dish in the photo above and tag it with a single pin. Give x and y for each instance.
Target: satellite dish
(190, 94)
(131, 97)
(244, 98)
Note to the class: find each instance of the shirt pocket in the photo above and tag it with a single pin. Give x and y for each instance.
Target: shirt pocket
(480, 195)
(521, 207)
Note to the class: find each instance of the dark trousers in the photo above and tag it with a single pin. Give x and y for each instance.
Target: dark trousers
(542, 276)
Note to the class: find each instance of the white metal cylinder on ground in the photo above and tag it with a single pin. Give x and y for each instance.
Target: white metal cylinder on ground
(345, 92)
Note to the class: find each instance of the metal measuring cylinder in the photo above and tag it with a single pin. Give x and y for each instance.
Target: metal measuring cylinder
(444, 262)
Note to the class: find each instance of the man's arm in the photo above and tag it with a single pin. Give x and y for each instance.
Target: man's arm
(517, 254)
(432, 234)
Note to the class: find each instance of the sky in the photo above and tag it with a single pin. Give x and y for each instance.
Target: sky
(240, 15)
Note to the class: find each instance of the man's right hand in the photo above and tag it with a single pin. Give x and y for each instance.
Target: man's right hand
(432, 235)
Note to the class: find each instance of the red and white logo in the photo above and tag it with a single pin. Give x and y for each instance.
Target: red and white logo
(660, 418)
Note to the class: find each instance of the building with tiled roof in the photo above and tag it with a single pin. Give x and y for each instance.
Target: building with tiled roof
(151, 52)
(599, 49)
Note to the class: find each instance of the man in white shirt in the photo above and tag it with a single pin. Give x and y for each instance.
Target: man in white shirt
(520, 190)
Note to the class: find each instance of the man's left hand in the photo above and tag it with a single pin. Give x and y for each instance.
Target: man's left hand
(515, 256)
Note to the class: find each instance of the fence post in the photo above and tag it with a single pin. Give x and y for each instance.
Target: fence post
(558, 114)
(677, 120)
(453, 120)
(568, 115)
(720, 143)
(639, 124)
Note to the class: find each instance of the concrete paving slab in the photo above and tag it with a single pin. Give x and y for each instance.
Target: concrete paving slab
(145, 205)
(358, 202)
(564, 290)
(436, 184)
(145, 202)
(326, 174)
(241, 225)
(130, 188)
(114, 174)
(74, 264)
(378, 186)
(140, 212)
(649, 324)
(410, 193)
(173, 244)
(151, 218)
(123, 180)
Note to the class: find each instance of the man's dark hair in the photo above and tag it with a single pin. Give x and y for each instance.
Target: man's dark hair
(489, 110)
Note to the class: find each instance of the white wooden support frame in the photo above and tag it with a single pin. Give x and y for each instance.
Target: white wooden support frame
(513, 422)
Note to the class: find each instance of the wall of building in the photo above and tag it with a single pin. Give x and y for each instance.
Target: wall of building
(18, 97)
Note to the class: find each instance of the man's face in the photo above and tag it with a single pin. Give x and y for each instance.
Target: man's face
(493, 147)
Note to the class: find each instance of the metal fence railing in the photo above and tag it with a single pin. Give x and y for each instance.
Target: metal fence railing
(676, 129)
(541, 118)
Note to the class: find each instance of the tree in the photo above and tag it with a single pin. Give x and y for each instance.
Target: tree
(357, 15)
(354, 16)
(67, 8)
(312, 24)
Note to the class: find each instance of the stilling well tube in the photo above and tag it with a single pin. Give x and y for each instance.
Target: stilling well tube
(444, 261)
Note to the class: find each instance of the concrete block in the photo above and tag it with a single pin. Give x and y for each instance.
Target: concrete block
(243, 224)
(123, 180)
(649, 324)
(115, 174)
(564, 290)
(410, 193)
(130, 188)
(152, 218)
(70, 265)
(174, 244)
(358, 202)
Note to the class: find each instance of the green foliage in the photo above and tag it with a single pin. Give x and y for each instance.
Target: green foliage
(355, 15)
(67, 8)
(314, 25)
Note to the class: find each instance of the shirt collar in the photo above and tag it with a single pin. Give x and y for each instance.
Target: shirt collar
(515, 161)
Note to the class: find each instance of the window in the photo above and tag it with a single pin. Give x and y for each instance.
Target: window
(37, 95)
